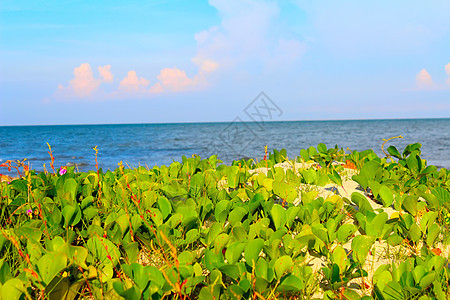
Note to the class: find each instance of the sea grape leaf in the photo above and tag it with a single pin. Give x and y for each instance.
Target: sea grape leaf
(50, 265)
(234, 252)
(164, 206)
(345, 231)
(236, 215)
(394, 152)
(386, 196)
(362, 202)
(361, 245)
(220, 242)
(12, 289)
(291, 284)
(278, 216)
(414, 163)
(410, 148)
(251, 252)
(285, 191)
(322, 148)
(282, 264)
(339, 257)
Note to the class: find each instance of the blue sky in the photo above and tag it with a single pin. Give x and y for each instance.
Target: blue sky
(87, 62)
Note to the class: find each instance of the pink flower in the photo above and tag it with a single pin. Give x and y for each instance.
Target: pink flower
(29, 212)
(62, 171)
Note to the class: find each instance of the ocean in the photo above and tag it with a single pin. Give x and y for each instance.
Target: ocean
(161, 144)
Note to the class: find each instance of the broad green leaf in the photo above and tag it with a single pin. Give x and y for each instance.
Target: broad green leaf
(394, 152)
(282, 264)
(285, 191)
(12, 289)
(361, 245)
(164, 206)
(278, 216)
(291, 284)
(236, 215)
(345, 231)
(234, 252)
(220, 242)
(340, 258)
(50, 265)
(251, 252)
(386, 196)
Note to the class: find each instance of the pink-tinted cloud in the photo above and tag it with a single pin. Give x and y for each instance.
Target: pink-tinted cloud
(175, 80)
(131, 83)
(83, 83)
(105, 73)
(424, 80)
(447, 70)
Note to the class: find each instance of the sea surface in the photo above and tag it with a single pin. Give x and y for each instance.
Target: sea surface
(161, 144)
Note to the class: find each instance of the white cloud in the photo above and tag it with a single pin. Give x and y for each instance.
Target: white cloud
(250, 34)
(447, 70)
(175, 80)
(250, 37)
(105, 73)
(424, 80)
(131, 83)
(83, 83)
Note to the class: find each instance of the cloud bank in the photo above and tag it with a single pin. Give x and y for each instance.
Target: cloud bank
(250, 38)
(424, 81)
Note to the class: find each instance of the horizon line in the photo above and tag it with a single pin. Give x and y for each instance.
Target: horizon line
(214, 122)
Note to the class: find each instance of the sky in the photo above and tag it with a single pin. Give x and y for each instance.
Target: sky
(97, 62)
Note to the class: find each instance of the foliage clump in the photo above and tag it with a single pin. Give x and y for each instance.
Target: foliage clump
(275, 228)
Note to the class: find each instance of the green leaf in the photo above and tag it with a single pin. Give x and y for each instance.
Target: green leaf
(236, 215)
(285, 191)
(394, 152)
(220, 242)
(386, 196)
(5, 271)
(340, 258)
(12, 289)
(103, 250)
(415, 233)
(282, 264)
(432, 234)
(230, 270)
(362, 202)
(70, 187)
(279, 216)
(71, 214)
(335, 177)
(414, 163)
(291, 284)
(322, 148)
(345, 231)
(361, 245)
(252, 251)
(234, 252)
(164, 206)
(50, 265)
(221, 210)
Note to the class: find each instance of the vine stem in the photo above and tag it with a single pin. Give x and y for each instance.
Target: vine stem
(387, 140)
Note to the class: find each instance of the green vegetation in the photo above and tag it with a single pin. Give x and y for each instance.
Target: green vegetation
(276, 228)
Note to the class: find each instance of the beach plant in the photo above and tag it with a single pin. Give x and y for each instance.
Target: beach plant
(259, 229)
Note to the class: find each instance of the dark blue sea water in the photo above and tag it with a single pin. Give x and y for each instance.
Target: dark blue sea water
(150, 144)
